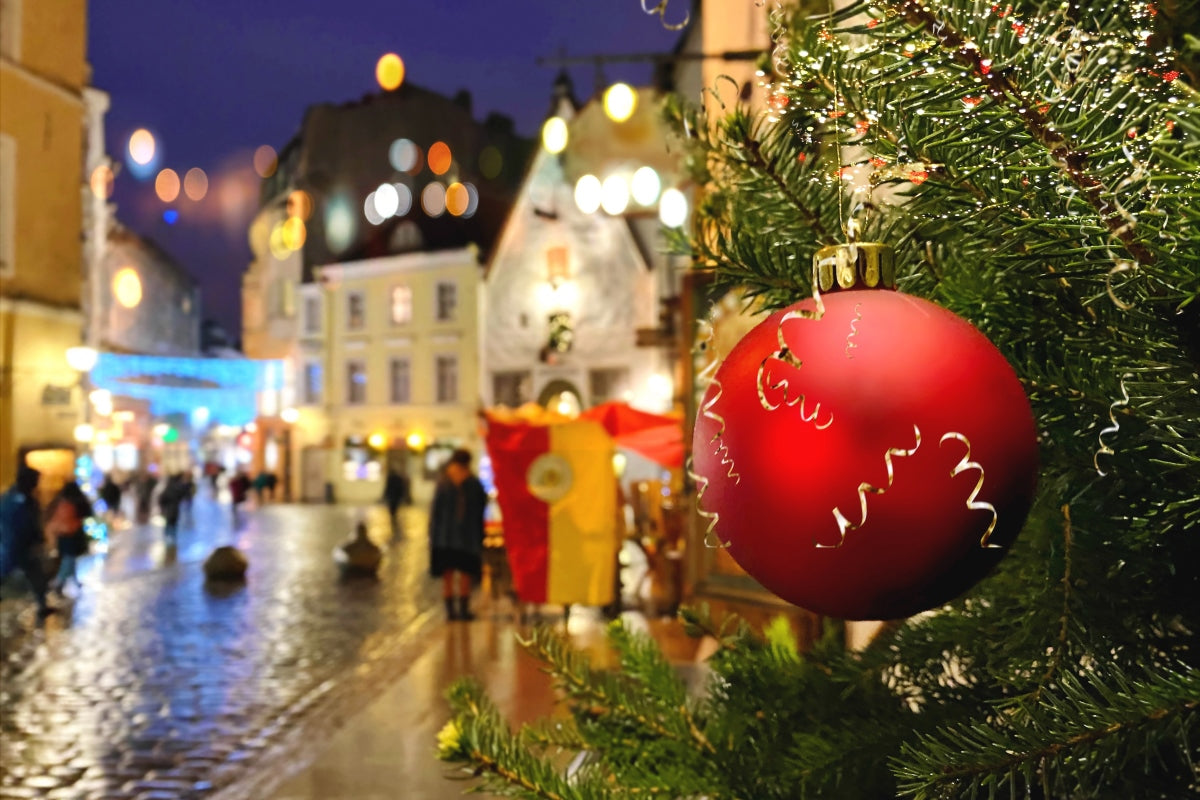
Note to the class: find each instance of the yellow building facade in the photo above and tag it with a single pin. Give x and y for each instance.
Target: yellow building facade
(388, 372)
(43, 72)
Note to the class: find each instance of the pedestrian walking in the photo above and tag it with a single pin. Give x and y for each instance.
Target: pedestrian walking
(239, 485)
(110, 493)
(188, 492)
(170, 501)
(456, 534)
(65, 518)
(144, 485)
(21, 541)
(397, 491)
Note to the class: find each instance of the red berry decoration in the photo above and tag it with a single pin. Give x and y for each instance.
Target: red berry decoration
(865, 454)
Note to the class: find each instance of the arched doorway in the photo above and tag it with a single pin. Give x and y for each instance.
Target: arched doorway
(561, 396)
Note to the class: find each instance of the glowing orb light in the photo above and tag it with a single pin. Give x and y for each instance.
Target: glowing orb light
(387, 201)
(102, 181)
(142, 146)
(377, 440)
(170, 216)
(403, 154)
(587, 194)
(265, 161)
(433, 200)
(614, 194)
(299, 204)
(339, 224)
(554, 135)
(672, 208)
(404, 199)
(195, 184)
(439, 158)
(457, 199)
(619, 102)
(389, 72)
(294, 233)
(127, 287)
(645, 186)
(370, 212)
(166, 185)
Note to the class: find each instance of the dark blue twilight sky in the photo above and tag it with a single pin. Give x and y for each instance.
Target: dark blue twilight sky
(215, 79)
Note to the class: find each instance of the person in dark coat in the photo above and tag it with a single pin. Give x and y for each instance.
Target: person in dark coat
(110, 493)
(456, 534)
(239, 486)
(396, 493)
(21, 540)
(65, 517)
(170, 501)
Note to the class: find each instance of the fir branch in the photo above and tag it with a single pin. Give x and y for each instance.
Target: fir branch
(1004, 90)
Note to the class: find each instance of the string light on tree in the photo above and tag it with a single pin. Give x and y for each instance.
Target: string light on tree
(620, 101)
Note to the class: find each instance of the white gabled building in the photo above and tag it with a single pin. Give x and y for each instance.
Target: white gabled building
(567, 292)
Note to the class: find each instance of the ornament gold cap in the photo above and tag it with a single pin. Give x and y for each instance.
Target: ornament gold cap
(861, 265)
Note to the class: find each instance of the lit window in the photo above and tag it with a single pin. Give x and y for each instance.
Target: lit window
(447, 301)
(400, 381)
(356, 383)
(401, 305)
(356, 311)
(312, 383)
(557, 268)
(511, 388)
(447, 379)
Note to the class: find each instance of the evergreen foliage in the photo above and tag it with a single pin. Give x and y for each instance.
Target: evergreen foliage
(1037, 167)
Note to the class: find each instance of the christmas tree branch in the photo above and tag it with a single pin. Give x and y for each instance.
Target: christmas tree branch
(1003, 89)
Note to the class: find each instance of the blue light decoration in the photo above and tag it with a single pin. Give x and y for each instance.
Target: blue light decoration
(171, 216)
(227, 387)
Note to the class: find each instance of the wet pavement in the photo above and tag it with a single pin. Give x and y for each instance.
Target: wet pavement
(155, 685)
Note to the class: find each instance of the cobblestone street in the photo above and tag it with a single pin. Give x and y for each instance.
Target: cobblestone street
(153, 685)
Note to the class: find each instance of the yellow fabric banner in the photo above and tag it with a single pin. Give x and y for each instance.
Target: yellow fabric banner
(583, 536)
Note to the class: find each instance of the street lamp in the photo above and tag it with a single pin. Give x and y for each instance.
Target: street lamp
(82, 359)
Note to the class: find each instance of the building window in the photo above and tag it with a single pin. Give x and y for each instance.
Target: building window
(312, 314)
(512, 389)
(312, 383)
(608, 384)
(447, 301)
(356, 383)
(447, 379)
(356, 311)
(8, 204)
(401, 305)
(400, 382)
(557, 267)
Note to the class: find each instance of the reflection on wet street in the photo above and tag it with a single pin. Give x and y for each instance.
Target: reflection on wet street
(151, 683)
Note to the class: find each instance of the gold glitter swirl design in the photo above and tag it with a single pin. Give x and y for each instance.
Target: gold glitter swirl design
(972, 502)
(1105, 450)
(843, 523)
(660, 10)
(850, 343)
(707, 377)
(785, 355)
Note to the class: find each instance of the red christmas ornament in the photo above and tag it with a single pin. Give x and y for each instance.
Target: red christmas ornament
(867, 454)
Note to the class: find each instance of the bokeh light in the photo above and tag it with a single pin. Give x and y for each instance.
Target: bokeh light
(439, 158)
(299, 204)
(276, 243)
(554, 135)
(472, 201)
(340, 224)
(265, 161)
(404, 200)
(387, 201)
(166, 185)
(195, 184)
(370, 212)
(490, 162)
(403, 155)
(614, 195)
(433, 199)
(102, 181)
(619, 102)
(170, 216)
(645, 186)
(389, 71)
(457, 199)
(127, 287)
(294, 233)
(142, 147)
(587, 194)
(672, 208)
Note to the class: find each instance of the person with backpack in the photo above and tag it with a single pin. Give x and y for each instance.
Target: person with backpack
(21, 541)
(65, 518)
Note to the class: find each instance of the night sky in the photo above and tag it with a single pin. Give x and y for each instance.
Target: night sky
(215, 79)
